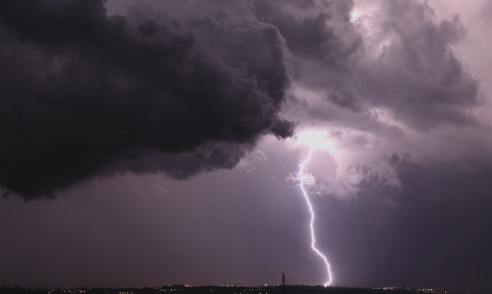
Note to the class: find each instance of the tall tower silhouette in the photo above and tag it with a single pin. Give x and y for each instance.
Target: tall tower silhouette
(283, 282)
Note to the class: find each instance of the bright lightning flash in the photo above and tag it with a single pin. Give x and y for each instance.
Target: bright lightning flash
(315, 140)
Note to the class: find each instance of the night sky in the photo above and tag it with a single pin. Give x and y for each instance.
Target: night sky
(147, 142)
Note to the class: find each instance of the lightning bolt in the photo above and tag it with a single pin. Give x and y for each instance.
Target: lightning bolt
(301, 175)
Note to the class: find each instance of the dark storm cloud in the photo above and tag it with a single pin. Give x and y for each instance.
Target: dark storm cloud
(315, 30)
(83, 93)
(325, 44)
(181, 87)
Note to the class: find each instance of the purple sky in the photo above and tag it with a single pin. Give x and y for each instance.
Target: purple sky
(149, 142)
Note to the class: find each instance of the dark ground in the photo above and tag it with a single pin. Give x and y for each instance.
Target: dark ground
(222, 290)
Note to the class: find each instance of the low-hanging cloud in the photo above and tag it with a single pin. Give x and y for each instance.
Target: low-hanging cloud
(84, 94)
